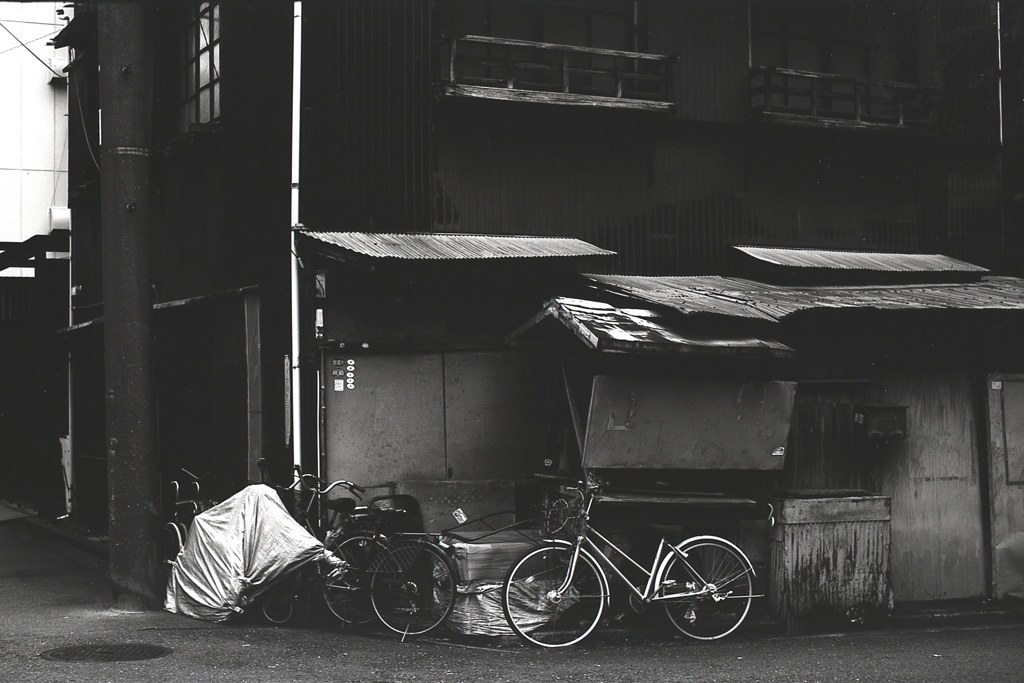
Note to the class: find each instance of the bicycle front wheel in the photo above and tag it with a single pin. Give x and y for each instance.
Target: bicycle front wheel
(412, 586)
(541, 614)
(172, 540)
(715, 587)
(348, 597)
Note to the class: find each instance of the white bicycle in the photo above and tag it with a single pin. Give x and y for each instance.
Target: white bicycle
(555, 594)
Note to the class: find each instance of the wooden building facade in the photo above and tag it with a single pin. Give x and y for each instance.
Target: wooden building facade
(848, 126)
(664, 133)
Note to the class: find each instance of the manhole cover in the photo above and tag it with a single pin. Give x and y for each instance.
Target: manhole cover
(106, 652)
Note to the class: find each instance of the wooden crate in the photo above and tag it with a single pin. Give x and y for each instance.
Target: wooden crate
(830, 555)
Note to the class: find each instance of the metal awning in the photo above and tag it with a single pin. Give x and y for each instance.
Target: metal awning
(735, 297)
(830, 259)
(445, 247)
(604, 327)
(25, 254)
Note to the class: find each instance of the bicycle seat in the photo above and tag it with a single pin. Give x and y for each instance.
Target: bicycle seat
(343, 506)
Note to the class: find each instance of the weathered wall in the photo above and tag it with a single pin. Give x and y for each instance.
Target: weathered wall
(434, 416)
(1006, 481)
(938, 538)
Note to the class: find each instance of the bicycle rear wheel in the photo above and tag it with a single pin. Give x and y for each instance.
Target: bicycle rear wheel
(278, 603)
(348, 597)
(538, 613)
(412, 586)
(721, 575)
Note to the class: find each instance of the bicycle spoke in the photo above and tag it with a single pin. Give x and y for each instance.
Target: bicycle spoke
(539, 612)
(348, 597)
(718, 590)
(412, 586)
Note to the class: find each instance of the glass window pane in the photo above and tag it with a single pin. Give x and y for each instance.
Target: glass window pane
(215, 88)
(215, 24)
(204, 69)
(204, 106)
(216, 61)
(204, 32)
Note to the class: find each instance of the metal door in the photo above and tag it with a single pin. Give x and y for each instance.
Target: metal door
(1006, 482)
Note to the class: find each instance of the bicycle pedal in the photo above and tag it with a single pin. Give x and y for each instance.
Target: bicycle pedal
(337, 573)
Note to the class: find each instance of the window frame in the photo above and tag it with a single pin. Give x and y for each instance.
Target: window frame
(198, 79)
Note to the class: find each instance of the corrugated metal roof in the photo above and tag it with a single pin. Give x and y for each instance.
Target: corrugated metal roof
(860, 260)
(607, 328)
(748, 299)
(447, 247)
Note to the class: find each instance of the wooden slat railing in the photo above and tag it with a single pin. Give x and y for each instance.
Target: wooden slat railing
(815, 97)
(501, 68)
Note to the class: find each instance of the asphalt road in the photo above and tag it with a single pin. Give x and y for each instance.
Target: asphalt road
(55, 596)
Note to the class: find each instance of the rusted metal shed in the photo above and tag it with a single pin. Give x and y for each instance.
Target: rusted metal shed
(830, 554)
(909, 342)
(607, 328)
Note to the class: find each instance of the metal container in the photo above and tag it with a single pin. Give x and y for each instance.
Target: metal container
(830, 557)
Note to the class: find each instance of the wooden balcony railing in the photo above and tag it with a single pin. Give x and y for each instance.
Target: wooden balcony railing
(526, 71)
(830, 100)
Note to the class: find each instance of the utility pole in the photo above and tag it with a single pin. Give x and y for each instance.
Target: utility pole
(126, 97)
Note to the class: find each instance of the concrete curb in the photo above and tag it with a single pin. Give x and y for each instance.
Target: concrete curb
(68, 533)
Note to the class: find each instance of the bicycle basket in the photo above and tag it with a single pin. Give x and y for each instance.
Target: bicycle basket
(563, 517)
(396, 514)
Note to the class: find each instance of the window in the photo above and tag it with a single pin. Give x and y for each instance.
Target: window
(872, 41)
(198, 86)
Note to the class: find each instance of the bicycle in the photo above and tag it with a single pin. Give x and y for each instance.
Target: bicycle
(279, 600)
(555, 595)
(406, 577)
(397, 573)
(174, 532)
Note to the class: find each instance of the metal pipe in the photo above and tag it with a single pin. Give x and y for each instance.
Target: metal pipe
(296, 354)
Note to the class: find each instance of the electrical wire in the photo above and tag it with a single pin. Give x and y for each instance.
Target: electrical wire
(38, 58)
(25, 44)
(85, 131)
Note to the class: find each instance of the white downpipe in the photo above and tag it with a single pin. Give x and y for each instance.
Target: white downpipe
(295, 321)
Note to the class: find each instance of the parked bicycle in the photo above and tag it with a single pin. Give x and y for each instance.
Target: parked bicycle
(318, 515)
(402, 577)
(555, 595)
(397, 573)
(186, 504)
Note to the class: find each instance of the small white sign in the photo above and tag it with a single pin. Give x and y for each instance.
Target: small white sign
(460, 516)
(339, 384)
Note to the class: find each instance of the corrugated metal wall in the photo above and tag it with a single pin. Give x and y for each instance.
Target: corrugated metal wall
(367, 75)
(669, 193)
(710, 39)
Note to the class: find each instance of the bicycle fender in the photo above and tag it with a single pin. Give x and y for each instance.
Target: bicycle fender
(693, 539)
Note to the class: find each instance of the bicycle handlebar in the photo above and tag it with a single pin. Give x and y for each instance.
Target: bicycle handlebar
(302, 480)
(320, 486)
(590, 485)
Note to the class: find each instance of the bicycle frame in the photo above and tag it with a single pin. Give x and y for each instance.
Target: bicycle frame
(653, 590)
